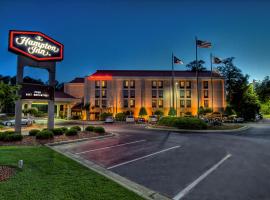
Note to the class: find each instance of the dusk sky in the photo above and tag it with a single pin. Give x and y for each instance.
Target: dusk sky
(141, 34)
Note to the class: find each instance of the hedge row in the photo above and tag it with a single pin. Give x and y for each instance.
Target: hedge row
(97, 129)
(183, 122)
(9, 136)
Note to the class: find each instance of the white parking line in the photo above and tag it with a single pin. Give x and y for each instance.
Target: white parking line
(184, 192)
(136, 159)
(118, 145)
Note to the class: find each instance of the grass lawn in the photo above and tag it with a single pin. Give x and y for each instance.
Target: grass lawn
(266, 116)
(49, 175)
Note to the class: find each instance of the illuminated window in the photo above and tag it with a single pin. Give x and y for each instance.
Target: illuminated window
(125, 103)
(132, 84)
(97, 84)
(125, 84)
(154, 84)
(188, 84)
(132, 103)
(97, 103)
(205, 84)
(182, 103)
(206, 103)
(160, 93)
(188, 103)
(104, 93)
(154, 103)
(160, 84)
(188, 93)
(154, 93)
(205, 93)
(182, 84)
(182, 93)
(104, 84)
(132, 93)
(125, 93)
(104, 103)
(160, 103)
(97, 93)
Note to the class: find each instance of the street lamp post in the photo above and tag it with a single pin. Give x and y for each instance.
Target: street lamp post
(176, 87)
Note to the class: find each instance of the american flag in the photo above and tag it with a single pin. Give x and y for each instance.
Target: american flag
(203, 44)
(177, 60)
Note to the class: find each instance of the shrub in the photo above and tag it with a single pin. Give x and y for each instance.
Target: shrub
(99, 129)
(64, 129)
(13, 137)
(1, 126)
(2, 136)
(142, 112)
(120, 117)
(183, 122)
(34, 132)
(172, 112)
(58, 131)
(71, 132)
(45, 134)
(76, 128)
(104, 115)
(89, 128)
(159, 113)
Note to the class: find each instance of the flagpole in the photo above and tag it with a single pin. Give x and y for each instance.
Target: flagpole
(173, 80)
(211, 61)
(197, 78)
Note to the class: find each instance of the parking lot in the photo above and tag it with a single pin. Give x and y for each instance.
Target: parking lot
(185, 166)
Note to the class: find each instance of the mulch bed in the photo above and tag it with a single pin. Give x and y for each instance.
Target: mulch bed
(31, 140)
(6, 172)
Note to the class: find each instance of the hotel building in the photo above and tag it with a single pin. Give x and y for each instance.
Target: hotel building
(128, 90)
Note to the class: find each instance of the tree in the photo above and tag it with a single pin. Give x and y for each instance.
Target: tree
(263, 89)
(7, 95)
(193, 67)
(142, 112)
(159, 113)
(172, 112)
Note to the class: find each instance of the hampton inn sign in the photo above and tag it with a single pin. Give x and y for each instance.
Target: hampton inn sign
(35, 49)
(35, 45)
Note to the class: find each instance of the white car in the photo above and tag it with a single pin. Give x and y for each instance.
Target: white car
(23, 122)
(153, 119)
(130, 119)
(109, 119)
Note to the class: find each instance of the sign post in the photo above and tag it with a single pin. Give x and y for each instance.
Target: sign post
(35, 49)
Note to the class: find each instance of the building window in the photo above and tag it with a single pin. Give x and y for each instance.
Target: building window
(205, 84)
(132, 103)
(160, 93)
(182, 93)
(154, 103)
(160, 84)
(188, 84)
(182, 103)
(97, 93)
(188, 93)
(125, 103)
(132, 84)
(104, 84)
(206, 103)
(132, 93)
(205, 93)
(154, 93)
(97, 84)
(154, 84)
(182, 84)
(160, 103)
(125, 84)
(188, 103)
(97, 103)
(103, 93)
(125, 93)
(104, 103)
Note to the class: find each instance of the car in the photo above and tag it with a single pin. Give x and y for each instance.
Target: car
(24, 121)
(239, 120)
(130, 119)
(109, 119)
(153, 119)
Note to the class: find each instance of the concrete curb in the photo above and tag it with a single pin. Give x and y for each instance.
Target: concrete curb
(124, 182)
(81, 140)
(199, 131)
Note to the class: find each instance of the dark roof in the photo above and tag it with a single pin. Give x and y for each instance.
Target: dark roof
(63, 95)
(77, 80)
(146, 73)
